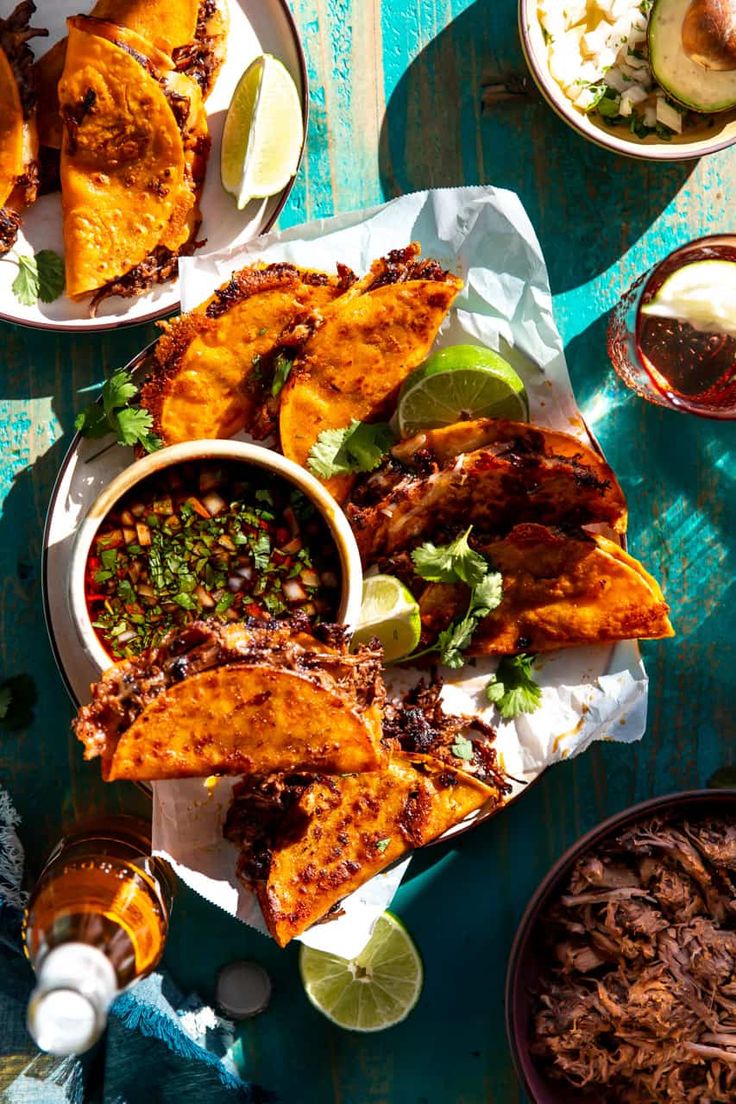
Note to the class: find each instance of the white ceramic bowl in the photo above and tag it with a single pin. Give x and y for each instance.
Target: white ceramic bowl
(253, 455)
(709, 138)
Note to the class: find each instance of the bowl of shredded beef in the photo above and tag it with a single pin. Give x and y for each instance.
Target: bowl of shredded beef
(622, 979)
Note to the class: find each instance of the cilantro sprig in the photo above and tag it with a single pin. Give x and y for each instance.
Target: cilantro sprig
(513, 689)
(450, 563)
(40, 276)
(113, 414)
(358, 447)
(457, 562)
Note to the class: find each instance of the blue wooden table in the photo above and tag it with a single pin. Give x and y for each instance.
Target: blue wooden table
(397, 103)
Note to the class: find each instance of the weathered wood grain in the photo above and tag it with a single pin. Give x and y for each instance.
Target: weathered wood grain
(396, 105)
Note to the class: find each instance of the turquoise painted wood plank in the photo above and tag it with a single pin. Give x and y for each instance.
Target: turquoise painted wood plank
(396, 104)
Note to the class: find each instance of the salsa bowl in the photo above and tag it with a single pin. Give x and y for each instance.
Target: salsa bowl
(167, 464)
(528, 955)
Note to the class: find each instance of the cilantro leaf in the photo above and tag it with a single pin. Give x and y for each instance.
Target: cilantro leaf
(487, 594)
(453, 640)
(281, 372)
(131, 425)
(513, 689)
(462, 748)
(26, 284)
(91, 422)
(382, 844)
(359, 447)
(40, 277)
(450, 563)
(50, 268)
(118, 390)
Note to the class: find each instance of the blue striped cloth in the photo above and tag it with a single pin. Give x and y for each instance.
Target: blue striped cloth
(159, 1048)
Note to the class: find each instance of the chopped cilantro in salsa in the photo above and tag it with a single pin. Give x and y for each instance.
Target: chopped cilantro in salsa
(208, 541)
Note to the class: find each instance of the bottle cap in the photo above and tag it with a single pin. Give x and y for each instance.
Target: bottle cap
(243, 990)
(67, 1011)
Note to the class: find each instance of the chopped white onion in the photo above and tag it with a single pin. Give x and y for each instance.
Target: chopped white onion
(294, 591)
(213, 503)
(668, 115)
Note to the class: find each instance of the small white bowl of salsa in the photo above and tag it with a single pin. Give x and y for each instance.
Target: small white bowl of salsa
(203, 530)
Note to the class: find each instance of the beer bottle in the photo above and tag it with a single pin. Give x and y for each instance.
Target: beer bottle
(95, 923)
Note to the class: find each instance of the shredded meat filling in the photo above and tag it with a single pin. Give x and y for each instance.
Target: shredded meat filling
(417, 722)
(638, 1001)
(15, 33)
(291, 644)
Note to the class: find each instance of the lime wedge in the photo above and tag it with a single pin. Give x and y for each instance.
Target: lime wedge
(377, 989)
(390, 613)
(263, 133)
(457, 384)
(702, 293)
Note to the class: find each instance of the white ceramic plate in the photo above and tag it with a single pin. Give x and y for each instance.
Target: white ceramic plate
(256, 27)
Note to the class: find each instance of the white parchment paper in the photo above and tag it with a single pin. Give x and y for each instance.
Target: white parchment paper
(484, 235)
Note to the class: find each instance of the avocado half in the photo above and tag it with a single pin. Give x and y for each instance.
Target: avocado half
(685, 80)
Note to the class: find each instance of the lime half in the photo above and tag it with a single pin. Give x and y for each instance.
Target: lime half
(263, 133)
(390, 613)
(377, 989)
(702, 293)
(460, 383)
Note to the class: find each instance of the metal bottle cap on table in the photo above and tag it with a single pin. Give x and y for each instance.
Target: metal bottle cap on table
(243, 989)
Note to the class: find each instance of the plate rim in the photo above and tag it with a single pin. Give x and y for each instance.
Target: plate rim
(103, 325)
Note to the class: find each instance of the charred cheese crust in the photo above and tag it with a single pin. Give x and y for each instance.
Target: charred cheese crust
(211, 367)
(323, 838)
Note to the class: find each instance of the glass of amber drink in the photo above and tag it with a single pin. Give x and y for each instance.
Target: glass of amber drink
(672, 337)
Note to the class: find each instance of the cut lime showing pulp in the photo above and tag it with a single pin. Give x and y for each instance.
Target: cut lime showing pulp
(702, 293)
(376, 989)
(263, 133)
(460, 383)
(390, 613)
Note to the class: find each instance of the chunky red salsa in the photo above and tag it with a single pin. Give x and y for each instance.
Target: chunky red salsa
(221, 541)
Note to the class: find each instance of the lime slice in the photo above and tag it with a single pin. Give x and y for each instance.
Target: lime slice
(457, 384)
(702, 293)
(263, 133)
(377, 989)
(390, 613)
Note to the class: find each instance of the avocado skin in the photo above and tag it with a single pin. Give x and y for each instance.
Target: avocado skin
(705, 91)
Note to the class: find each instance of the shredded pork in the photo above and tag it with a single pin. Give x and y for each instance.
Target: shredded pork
(638, 1004)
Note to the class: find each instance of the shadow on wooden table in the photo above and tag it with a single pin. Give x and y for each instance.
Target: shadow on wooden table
(587, 205)
(42, 766)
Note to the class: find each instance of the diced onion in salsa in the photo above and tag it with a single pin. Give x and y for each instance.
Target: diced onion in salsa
(218, 541)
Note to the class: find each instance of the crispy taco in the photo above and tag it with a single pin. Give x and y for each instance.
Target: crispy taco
(132, 162)
(369, 340)
(560, 590)
(214, 369)
(307, 843)
(192, 32)
(18, 137)
(257, 697)
(489, 473)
